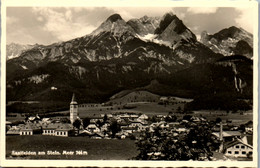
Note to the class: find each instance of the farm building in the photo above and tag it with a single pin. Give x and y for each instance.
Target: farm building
(228, 135)
(238, 148)
(14, 130)
(57, 129)
(63, 130)
(30, 129)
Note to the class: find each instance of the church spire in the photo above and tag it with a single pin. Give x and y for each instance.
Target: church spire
(73, 100)
(73, 109)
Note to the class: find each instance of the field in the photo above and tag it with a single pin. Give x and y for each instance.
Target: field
(149, 108)
(236, 118)
(97, 149)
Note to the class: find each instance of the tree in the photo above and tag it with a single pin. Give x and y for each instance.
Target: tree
(99, 123)
(196, 144)
(170, 118)
(105, 118)
(86, 122)
(77, 124)
(179, 109)
(153, 119)
(218, 120)
(64, 120)
(114, 128)
(187, 117)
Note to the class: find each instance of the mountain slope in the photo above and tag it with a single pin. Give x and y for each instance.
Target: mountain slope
(14, 50)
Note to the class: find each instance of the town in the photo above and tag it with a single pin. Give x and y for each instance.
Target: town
(235, 141)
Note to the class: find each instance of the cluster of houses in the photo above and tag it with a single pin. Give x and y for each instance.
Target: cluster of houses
(45, 126)
(235, 143)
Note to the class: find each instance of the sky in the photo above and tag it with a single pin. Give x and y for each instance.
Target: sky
(47, 25)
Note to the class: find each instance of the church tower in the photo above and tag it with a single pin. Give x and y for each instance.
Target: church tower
(73, 109)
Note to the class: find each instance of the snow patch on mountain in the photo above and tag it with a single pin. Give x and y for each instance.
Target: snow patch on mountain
(186, 56)
(13, 56)
(24, 67)
(127, 68)
(153, 38)
(147, 37)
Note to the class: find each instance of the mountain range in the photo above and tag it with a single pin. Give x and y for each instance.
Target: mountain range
(160, 55)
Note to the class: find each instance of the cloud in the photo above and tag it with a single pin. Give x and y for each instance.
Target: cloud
(245, 19)
(47, 25)
(11, 20)
(60, 23)
(128, 13)
(203, 10)
(40, 19)
(24, 37)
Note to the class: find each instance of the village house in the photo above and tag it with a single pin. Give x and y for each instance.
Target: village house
(238, 148)
(30, 129)
(197, 119)
(249, 127)
(97, 136)
(143, 117)
(173, 124)
(133, 116)
(142, 128)
(123, 116)
(164, 99)
(122, 135)
(228, 135)
(33, 119)
(63, 130)
(49, 129)
(181, 128)
(135, 124)
(57, 129)
(104, 127)
(26, 131)
(14, 130)
(89, 105)
(129, 130)
(164, 126)
(46, 121)
(95, 119)
(93, 128)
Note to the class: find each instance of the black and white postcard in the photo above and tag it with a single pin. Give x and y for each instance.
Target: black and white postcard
(87, 83)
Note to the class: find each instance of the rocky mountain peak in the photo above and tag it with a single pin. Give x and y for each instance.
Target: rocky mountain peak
(227, 33)
(204, 36)
(114, 18)
(229, 41)
(144, 25)
(165, 22)
(114, 24)
(173, 30)
(145, 17)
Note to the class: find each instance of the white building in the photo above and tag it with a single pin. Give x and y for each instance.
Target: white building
(57, 129)
(238, 148)
(27, 130)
